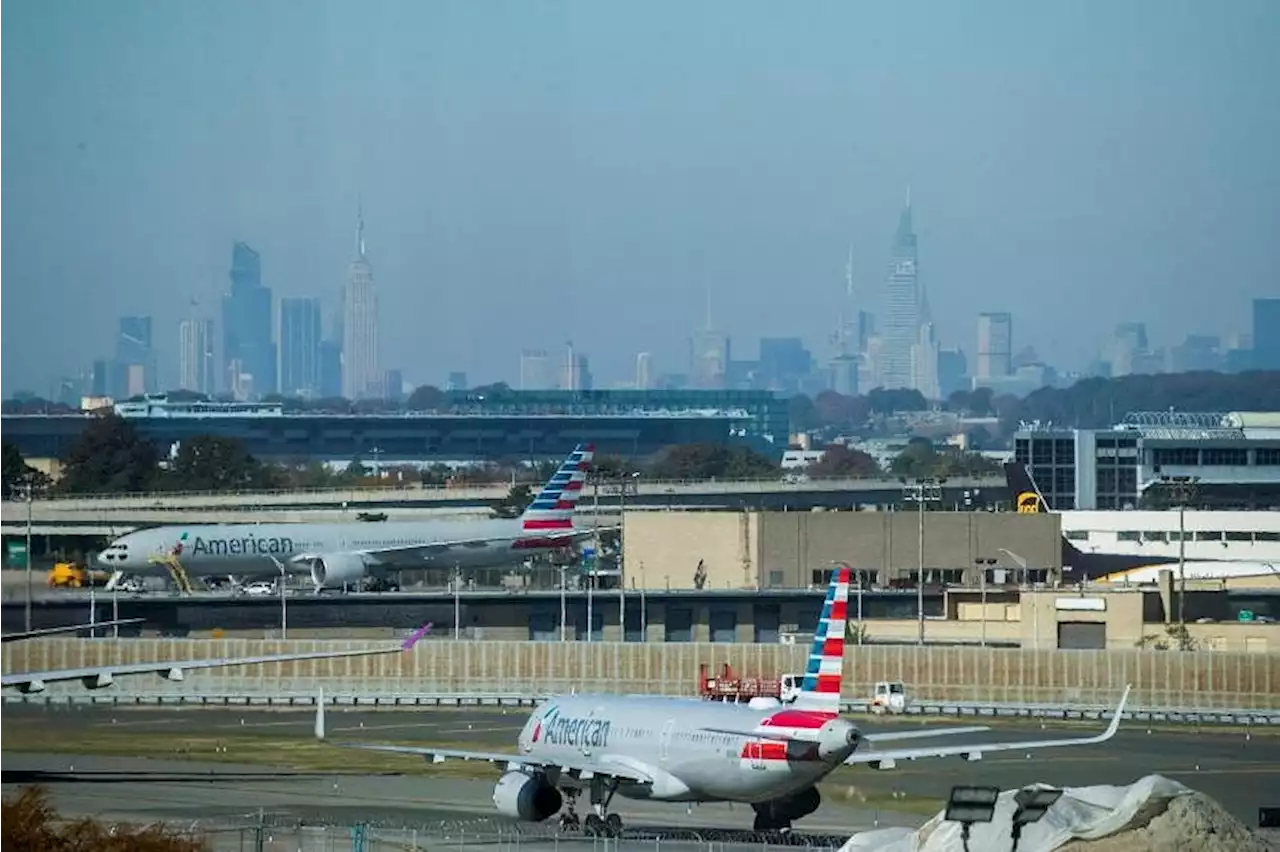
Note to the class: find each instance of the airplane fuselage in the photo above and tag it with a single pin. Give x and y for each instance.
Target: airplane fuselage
(250, 549)
(668, 739)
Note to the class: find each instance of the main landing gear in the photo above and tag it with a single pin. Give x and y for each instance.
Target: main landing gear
(600, 823)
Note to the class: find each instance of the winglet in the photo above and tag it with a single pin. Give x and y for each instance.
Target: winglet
(1115, 720)
(320, 714)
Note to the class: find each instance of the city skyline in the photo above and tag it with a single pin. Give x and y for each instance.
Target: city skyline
(556, 174)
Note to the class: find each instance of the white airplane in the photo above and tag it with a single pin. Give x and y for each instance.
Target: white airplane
(97, 677)
(689, 750)
(342, 553)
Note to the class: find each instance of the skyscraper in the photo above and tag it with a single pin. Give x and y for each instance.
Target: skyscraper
(535, 370)
(576, 373)
(644, 371)
(361, 378)
(995, 345)
(900, 331)
(1266, 334)
(300, 340)
(247, 350)
(195, 356)
(135, 366)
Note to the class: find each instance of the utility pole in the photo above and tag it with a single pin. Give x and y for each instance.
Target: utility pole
(983, 566)
(563, 603)
(923, 490)
(1182, 489)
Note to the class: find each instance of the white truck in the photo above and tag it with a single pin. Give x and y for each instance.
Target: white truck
(887, 696)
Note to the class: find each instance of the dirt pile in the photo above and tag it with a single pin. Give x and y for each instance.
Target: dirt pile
(1190, 823)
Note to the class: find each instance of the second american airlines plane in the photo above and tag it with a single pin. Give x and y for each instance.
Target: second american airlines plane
(764, 754)
(337, 554)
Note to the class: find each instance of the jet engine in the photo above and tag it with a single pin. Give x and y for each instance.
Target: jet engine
(335, 569)
(527, 797)
(781, 812)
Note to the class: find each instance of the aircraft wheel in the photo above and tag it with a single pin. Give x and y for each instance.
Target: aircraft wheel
(613, 823)
(593, 826)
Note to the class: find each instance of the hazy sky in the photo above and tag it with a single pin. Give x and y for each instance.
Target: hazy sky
(537, 172)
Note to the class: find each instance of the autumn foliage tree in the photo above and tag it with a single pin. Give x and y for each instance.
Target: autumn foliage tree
(28, 823)
(839, 460)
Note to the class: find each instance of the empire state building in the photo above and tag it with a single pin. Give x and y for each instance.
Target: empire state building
(360, 376)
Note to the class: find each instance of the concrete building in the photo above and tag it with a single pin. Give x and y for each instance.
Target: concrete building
(1234, 457)
(535, 370)
(788, 550)
(644, 370)
(299, 344)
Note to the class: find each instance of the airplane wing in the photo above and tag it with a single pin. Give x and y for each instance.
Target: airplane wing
(888, 758)
(873, 738)
(580, 769)
(97, 677)
(53, 631)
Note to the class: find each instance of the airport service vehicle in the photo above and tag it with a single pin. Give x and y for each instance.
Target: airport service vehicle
(342, 554)
(260, 588)
(889, 696)
(765, 754)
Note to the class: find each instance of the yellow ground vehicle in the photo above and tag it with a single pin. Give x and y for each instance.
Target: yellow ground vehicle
(73, 576)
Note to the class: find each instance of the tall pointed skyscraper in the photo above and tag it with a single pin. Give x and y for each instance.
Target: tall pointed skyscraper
(900, 331)
(361, 378)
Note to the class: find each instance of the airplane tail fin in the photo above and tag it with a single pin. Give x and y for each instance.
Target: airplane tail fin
(1026, 494)
(824, 673)
(552, 509)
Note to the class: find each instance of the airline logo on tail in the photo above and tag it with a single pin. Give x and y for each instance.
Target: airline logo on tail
(820, 691)
(553, 508)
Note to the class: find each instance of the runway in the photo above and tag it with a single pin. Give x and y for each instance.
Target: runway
(208, 764)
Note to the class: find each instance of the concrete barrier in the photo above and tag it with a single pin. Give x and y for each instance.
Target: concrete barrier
(986, 677)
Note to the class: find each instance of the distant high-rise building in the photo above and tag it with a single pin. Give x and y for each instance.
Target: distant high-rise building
(457, 381)
(1128, 350)
(361, 378)
(995, 345)
(1197, 352)
(924, 363)
(535, 370)
(100, 378)
(1266, 334)
(330, 369)
(644, 371)
(576, 373)
(900, 331)
(953, 372)
(246, 326)
(708, 355)
(844, 374)
(299, 342)
(784, 363)
(196, 369)
(135, 364)
(393, 385)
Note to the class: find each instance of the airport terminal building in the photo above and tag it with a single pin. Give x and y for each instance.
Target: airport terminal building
(1223, 460)
(467, 427)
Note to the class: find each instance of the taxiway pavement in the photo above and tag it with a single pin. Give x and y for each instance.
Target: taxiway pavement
(1242, 772)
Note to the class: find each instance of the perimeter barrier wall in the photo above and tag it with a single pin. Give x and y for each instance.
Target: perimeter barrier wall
(1202, 680)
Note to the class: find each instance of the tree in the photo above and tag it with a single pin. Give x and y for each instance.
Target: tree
(712, 461)
(13, 471)
(839, 460)
(109, 457)
(611, 467)
(840, 411)
(514, 504)
(28, 823)
(916, 461)
(214, 463)
(884, 401)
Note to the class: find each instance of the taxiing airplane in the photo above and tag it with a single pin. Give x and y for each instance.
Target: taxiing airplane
(343, 553)
(688, 750)
(97, 677)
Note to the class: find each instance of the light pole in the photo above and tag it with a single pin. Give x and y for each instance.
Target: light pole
(1182, 489)
(923, 490)
(622, 577)
(983, 565)
(564, 606)
(457, 602)
(31, 496)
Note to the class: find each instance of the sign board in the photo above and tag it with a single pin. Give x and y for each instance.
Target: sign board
(1028, 503)
(1081, 604)
(17, 552)
(1245, 615)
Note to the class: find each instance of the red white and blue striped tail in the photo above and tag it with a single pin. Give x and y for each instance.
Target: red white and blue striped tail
(820, 691)
(553, 508)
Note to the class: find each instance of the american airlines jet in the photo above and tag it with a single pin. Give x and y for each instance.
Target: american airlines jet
(687, 750)
(337, 554)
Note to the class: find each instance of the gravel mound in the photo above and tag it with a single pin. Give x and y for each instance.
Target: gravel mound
(1190, 823)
